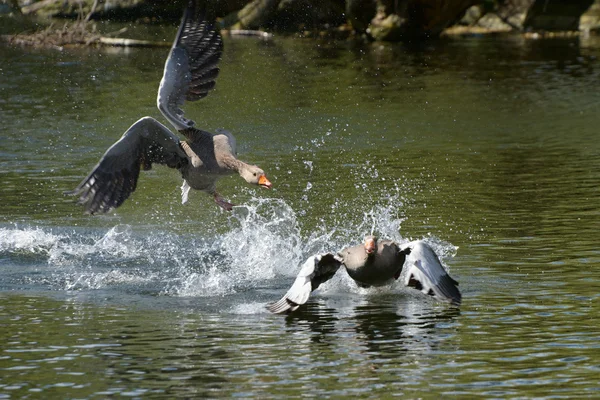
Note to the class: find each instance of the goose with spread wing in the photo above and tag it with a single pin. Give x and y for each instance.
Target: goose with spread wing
(189, 74)
(374, 263)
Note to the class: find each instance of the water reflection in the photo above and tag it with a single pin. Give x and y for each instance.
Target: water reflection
(384, 328)
(410, 329)
(488, 144)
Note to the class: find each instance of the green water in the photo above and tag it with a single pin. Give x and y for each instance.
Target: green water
(488, 147)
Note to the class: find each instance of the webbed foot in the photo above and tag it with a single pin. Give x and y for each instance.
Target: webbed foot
(224, 204)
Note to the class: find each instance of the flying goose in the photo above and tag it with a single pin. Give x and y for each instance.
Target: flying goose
(374, 263)
(189, 74)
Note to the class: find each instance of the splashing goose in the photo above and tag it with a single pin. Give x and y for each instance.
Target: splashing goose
(374, 263)
(189, 74)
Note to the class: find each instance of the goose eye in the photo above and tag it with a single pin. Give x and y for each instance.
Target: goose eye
(254, 174)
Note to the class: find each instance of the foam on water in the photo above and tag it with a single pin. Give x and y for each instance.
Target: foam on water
(35, 241)
(264, 240)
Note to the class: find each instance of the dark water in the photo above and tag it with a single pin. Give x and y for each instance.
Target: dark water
(486, 147)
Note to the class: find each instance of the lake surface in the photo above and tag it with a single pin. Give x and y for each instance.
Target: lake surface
(488, 148)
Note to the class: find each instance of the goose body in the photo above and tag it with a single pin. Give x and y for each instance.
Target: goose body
(377, 268)
(374, 263)
(202, 158)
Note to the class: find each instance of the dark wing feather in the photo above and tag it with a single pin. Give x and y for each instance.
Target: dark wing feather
(315, 271)
(425, 272)
(191, 67)
(115, 176)
(204, 46)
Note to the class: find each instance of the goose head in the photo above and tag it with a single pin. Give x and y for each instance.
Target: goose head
(255, 176)
(370, 245)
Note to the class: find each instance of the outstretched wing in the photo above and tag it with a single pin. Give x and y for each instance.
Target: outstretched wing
(425, 272)
(115, 176)
(191, 68)
(316, 270)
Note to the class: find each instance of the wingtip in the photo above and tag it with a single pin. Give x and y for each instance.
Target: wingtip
(449, 289)
(282, 306)
(455, 301)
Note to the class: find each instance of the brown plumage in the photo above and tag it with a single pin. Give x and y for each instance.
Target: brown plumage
(374, 263)
(189, 74)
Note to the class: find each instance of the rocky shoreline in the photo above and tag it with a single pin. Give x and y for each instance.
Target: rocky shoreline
(372, 20)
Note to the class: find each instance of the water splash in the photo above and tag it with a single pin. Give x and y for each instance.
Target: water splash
(264, 241)
(33, 241)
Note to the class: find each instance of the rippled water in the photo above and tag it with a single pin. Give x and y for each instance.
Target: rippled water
(485, 147)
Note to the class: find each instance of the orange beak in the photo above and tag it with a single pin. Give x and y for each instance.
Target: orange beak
(264, 182)
(370, 247)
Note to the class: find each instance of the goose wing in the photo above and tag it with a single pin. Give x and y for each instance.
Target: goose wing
(191, 67)
(425, 272)
(115, 176)
(316, 270)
